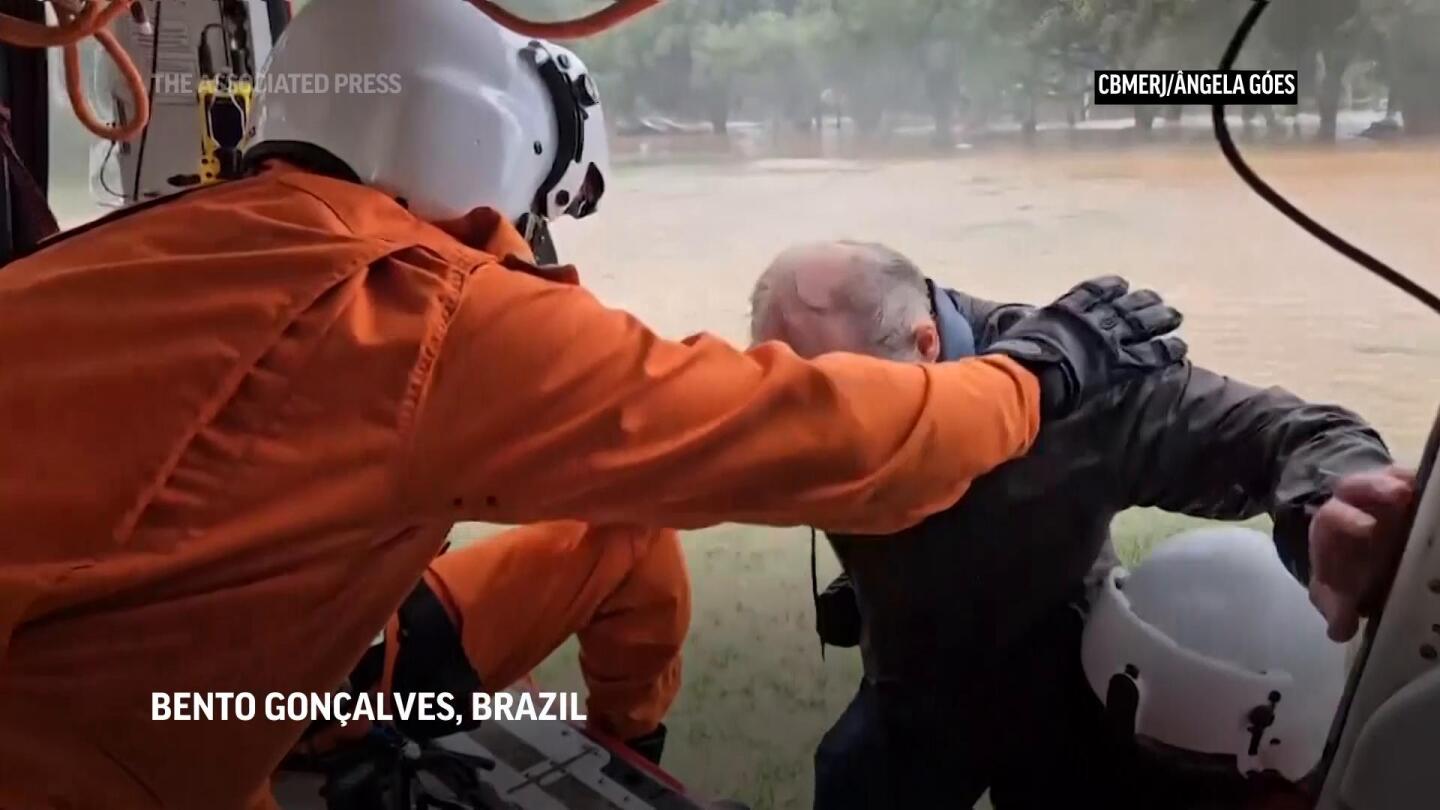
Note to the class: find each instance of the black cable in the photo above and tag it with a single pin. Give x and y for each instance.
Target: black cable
(149, 101)
(1270, 195)
(206, 57)
(105, 184)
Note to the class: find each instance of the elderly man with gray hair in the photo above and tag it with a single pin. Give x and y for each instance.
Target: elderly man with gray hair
(968, 624)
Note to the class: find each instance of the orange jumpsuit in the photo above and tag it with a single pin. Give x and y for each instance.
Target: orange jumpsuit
(240, 423)
(622, 590)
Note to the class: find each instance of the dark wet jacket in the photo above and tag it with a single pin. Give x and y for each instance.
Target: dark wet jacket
(938, 599)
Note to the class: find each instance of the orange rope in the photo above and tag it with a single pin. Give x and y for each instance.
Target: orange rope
(27, 34)
(93, 19)
(133, 83)
(578, 28)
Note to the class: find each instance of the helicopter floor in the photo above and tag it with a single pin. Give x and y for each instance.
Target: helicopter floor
(539, 765)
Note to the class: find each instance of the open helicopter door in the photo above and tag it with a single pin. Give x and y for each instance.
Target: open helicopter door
(198, 59)
(1385, 746)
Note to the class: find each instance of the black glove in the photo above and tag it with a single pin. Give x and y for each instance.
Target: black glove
(1094, 337)
(650, 746)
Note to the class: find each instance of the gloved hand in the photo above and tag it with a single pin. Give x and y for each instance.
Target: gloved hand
(1094, 337)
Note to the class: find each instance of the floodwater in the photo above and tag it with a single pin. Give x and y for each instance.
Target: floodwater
(680, 245)
(690, 220)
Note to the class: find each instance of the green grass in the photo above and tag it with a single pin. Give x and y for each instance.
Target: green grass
(756, 696)
(1138, 530)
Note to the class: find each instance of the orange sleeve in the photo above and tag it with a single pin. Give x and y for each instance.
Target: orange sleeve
(543, 405)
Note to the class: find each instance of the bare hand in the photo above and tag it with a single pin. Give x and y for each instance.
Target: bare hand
(1356, 539)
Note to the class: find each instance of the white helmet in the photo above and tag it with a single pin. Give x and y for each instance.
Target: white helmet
(433, 102)
(1215, 649)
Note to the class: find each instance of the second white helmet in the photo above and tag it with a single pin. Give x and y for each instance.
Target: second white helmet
(433, 102)
(1213, 648)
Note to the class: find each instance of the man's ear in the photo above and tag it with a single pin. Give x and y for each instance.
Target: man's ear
(927, 340)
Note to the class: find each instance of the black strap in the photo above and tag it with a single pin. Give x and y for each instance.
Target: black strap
(431, 658)
(1122, 703)
(569, 124)
(305, 155)
(815, 592)
(149, 104)
(279, 14)
(26, 219)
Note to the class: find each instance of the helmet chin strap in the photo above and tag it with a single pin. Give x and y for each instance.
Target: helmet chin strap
(537, 234)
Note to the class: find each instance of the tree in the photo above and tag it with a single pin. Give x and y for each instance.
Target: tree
(1321, 39)
(880, 58)
(645, 62)
(766, 57)
(1409, 31)
(1159, 34)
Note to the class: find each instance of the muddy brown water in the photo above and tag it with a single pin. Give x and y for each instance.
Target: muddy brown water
(680, 246)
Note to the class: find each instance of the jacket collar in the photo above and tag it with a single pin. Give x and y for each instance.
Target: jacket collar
(957, 334)
(484, 229)
(986, 320)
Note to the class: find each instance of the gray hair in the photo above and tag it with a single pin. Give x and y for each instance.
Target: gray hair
(885, 296)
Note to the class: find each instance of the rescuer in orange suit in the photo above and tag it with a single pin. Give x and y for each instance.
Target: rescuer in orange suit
(623, 590)
(241, 421)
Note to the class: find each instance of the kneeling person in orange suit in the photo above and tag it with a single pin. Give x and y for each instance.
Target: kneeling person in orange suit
(241, 420)
(487, 614)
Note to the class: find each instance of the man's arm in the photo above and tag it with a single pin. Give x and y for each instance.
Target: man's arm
(542, 404)
(1195, 442)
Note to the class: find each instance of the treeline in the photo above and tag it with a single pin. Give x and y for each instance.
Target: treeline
(979, 61)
